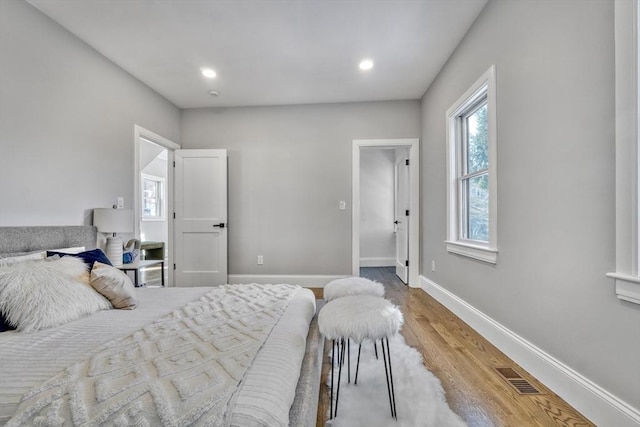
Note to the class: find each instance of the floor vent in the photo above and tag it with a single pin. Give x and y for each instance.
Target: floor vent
(521, 385)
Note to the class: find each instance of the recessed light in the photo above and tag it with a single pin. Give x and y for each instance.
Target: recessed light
(214, 93)
(366, 64)
(208, 72)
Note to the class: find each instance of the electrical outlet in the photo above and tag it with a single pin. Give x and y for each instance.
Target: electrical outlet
(343, 205)
(120, 202)
(260, 260)
(433, 265)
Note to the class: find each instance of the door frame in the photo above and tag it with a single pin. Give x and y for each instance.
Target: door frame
(414, 193)
(141, 133)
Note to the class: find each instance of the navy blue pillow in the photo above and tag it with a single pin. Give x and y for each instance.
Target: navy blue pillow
(4, 324)
(89, 257)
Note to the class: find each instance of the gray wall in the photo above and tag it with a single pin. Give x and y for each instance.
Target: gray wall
(66, 122)
(288, 169)
(556, 225)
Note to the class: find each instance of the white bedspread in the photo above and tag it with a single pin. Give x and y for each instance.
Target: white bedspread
(26, 361)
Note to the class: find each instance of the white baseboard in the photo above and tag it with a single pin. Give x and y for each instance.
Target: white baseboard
(306, 281)
(594, 402)
(377, 262)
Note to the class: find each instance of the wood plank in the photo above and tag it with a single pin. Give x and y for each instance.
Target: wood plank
(465, 363)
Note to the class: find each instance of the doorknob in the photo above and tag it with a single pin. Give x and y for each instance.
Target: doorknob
(221, 225)
(396, 222)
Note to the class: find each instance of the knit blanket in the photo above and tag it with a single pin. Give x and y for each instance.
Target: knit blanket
(182, 369)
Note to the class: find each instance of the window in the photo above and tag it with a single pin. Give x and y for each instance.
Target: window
(474, 174)
(152, 197)
(471, 171)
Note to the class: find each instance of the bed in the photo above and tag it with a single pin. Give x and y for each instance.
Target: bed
(237, 355)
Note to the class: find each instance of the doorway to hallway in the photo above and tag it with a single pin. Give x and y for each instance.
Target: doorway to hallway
(385, 176)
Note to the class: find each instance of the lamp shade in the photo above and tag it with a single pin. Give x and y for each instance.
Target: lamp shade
(113, 220)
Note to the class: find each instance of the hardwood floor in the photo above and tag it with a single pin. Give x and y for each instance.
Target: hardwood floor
(465, 363)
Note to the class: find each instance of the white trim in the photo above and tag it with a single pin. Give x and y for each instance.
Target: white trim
(414, 202)
(141, 133)
(478, 252)
(486, 84)
(627, 287)
(154, 137)
(306, 281)
(627, 101)
(594, 402)
(378, 262)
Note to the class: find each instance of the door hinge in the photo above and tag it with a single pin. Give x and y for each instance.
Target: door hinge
(174, 215)
(406, 263)
(406, 162)
(174, 163)
(406, 212)
(174, 266)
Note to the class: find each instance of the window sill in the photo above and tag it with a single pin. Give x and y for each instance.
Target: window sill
(151, 219)
(481, 253)
(627, 287)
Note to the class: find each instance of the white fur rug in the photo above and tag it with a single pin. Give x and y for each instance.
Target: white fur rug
(420, 399)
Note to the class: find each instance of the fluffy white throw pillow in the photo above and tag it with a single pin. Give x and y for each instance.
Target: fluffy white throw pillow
(41, 294)
(115, 285)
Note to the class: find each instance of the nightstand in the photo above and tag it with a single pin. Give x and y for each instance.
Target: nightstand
(139, 264)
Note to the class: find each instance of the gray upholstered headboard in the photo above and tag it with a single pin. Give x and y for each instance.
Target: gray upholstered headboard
(31, 239)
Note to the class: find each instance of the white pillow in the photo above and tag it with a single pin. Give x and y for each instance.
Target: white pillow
(72, 250)
(115, 285)
(41, 294)
(9, 260)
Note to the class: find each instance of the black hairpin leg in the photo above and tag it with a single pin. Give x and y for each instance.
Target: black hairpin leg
(358, 364)
(375, 348)
(386, 355)
(393, 392)
(340, 363)
(333, 359)
(348, 361)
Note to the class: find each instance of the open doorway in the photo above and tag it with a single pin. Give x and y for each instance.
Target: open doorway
(153, 202)
(385, 206)
(154, 225)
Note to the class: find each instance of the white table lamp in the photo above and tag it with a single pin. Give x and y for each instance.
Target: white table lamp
(113, 221)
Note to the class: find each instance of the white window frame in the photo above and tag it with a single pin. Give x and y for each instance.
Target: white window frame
(163, 198)
(485, 86)
(627, 91)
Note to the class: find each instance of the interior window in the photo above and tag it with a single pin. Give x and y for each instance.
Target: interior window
(152, 197)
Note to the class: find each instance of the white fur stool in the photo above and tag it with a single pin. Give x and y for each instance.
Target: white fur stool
(349, 286)
(352, 286)
(358, 318)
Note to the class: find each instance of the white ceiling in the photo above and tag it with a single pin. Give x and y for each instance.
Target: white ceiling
(272, 52)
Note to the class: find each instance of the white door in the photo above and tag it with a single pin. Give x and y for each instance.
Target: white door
(402, 218)
(200, 249)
